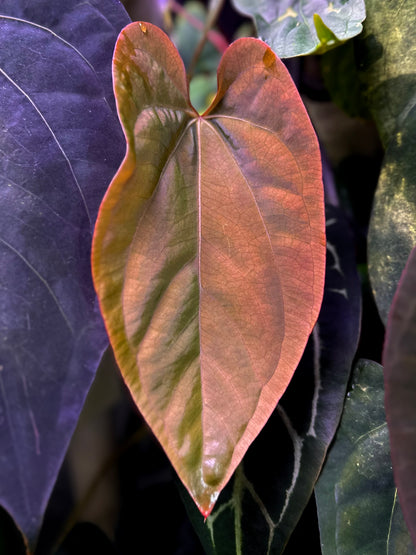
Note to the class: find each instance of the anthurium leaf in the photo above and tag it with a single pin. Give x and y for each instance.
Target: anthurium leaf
(399, 359)
(298, 27)
(60, 145)
(356, 497)
(261, 505)
(209, 249)
(387, 70)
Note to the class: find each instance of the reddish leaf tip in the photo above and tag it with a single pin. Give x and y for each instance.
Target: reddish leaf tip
(206, 513)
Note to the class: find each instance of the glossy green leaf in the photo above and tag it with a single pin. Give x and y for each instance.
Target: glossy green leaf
(399, 359)
(387, 54)
(298, 27)
(261, 505)
(356, 497)
(209, 249)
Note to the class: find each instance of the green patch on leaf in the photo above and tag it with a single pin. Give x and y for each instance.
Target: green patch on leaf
(327, 39)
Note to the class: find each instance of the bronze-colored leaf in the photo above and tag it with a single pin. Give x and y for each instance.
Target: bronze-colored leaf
(209, 250)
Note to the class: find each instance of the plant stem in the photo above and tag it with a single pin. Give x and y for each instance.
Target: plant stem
(212, 17)
(215, 38)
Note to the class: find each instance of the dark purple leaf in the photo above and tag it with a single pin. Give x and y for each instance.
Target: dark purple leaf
(260, 507)
(60, 145)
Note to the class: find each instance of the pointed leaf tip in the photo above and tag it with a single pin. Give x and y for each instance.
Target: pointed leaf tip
(209, 249)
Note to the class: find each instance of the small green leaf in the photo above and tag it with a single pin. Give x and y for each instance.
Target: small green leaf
(356, 497)
(298, 27)
(327, 39)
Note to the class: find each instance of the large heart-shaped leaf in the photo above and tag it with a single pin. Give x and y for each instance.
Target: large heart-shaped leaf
(399, 358)
(209, 249)
(298, 27)
(263, 501)
(356, 497)
(60, 145)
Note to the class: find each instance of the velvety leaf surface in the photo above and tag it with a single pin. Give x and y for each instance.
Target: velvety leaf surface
(356, 497)
(60, 144)
(298, 27)
(387, 54)
(209, 249)
(399, 359)
(260, 507)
